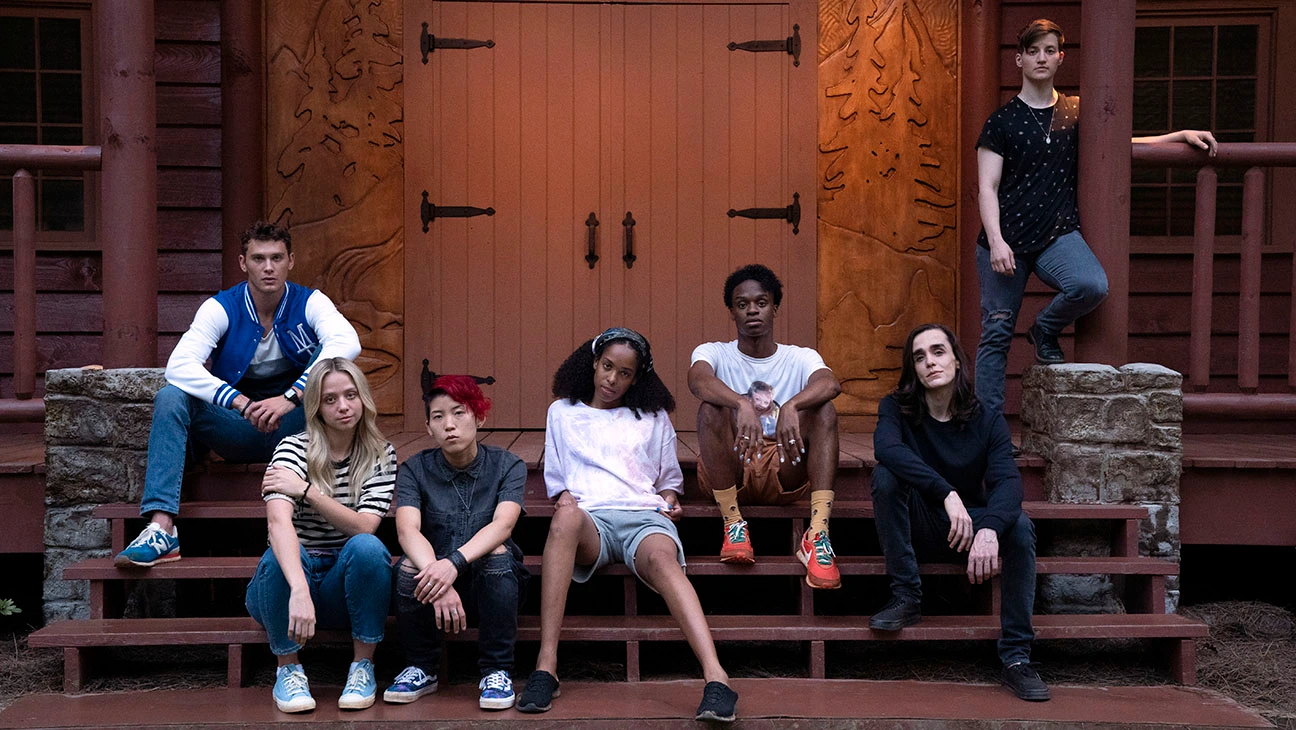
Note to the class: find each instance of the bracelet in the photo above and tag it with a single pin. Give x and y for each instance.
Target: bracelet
(243, 410)
(304, 491)
(458, 560)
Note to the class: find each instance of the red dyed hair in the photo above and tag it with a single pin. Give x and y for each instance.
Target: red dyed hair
(462, 389)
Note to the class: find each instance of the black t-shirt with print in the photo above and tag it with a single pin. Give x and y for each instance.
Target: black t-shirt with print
(1037, 189)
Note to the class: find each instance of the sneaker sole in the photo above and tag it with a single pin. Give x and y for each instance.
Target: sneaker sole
(1044, 696)
(738, 558)
(814, 581)
(499, 704)
(894, 625)
(404, 698)
(710, 716)
(537, 708)
(357, 703)
(128, 563)
(298, 705)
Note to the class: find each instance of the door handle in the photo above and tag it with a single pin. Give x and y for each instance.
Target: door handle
(591, 225)
(629, 257)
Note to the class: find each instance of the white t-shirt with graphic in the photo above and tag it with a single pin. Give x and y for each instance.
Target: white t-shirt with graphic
(608, 459)
(786, 372)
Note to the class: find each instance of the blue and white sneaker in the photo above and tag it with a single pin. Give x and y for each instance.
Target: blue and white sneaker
(291, 690)
(411, 684)
(153, 546)
(497, 691)
(361, 688)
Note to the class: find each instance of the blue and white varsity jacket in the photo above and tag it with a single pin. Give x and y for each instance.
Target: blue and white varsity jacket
(226, 329)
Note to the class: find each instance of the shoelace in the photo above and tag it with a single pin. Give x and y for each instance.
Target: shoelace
(155, 539)
(357, 681)
(823, 549)
(412, 675)
(295, 683)
(738, 532)
(497, 681)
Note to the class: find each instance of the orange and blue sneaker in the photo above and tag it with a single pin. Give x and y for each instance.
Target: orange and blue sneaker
(736, 547)
(817, 556)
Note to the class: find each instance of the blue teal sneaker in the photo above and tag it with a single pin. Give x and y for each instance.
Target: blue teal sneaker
(153, 546)
(361, 687)
(497, 691)
(411, 684)
(291, 690)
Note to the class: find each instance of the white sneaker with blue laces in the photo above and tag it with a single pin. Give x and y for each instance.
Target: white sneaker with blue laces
(497, 691)
(291, 690)
(361, 688)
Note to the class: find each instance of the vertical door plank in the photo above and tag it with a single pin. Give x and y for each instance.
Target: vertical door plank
(638, 102)
(560, 220)
(718, 230)
(422, 132)
(769, 103)
(507, 284)
(586, 178)
(451, 294)
(802, 272)
(694, 295)
(532, 141)
(742, 135)
(612, 168)
(479, 254)
(661, 251)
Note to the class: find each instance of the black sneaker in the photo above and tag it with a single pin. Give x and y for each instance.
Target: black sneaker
(719, 703)
(541, 688)
(1047, 349)
(897, 614)
(1024, 682)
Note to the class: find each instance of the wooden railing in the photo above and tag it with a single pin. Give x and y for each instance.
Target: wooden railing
(1255, 157)
(25, 159)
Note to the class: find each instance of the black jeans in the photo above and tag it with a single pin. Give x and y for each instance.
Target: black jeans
(489, 591)
(910, 528)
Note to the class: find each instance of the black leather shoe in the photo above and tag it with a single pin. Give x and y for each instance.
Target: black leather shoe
(1024, 682)
(897, 614)
(1047, 349)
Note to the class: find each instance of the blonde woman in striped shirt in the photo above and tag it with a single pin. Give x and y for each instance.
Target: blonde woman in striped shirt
(326, 490)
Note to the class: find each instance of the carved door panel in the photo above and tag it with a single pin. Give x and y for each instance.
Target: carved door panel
(620, 112)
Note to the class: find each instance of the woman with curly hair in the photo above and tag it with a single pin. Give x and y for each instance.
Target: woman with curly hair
(611, 469)
(324, 566)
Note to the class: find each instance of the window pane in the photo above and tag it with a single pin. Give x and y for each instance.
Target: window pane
(1228, 210)
(1183, 201)
(61, 98)
(17, 96)
(1192, 50)
(1140, 174)
(17, 135)
(17, 43)
(1151, 106)
(1235, 104)
(1192, 105)
(1147, 211)
(6, 203)
(62, 205)
(1237, 50)
(60, 43)
(1151, 52)
(61, 135)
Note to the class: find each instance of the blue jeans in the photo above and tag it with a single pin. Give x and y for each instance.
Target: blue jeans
(182, 422)
(909, 528)
(350, 586)
(489, 591)
(1068, 266)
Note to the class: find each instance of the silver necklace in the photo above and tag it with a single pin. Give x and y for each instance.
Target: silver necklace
(1048, 131)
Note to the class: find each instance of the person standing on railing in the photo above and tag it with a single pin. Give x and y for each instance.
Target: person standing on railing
(1027, 160)
(262, 337)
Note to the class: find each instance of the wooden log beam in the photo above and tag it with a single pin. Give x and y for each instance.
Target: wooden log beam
(242, 99)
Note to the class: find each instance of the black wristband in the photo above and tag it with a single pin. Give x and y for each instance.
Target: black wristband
(243, 410)
(458, 561)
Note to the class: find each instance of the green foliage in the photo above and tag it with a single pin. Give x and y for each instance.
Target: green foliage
(8, 607)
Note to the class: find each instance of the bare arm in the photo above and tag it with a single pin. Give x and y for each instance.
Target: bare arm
(283, 480)
(409, 532)
(287, 552)
(1194, 137)
(989, 174)
(704, 384)
(821, 387)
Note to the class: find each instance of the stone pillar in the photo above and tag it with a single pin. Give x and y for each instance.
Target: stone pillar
(96, 445)
(1110, 436)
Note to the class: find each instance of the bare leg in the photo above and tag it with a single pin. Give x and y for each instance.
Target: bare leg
(572, 538)
(715, 443)
(819, 432)
(655, 562)
(286, 659)
(362, 650)
(163, 520)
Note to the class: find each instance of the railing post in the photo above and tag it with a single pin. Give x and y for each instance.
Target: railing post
(1203, 280)
(128, 189)
(242, 184)
(1106, 120)
(979, 78)
(1249, 287)
(24, 286)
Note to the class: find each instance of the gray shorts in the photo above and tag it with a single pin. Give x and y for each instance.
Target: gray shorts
(620, 532)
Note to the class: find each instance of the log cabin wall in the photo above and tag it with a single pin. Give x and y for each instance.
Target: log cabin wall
(69, 282)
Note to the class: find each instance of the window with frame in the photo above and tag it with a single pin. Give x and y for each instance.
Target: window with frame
(1196, 73)
(45, 99)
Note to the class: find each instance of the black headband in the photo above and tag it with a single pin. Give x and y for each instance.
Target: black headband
(636, 340)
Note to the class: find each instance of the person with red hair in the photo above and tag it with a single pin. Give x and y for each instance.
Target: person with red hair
(456, 506)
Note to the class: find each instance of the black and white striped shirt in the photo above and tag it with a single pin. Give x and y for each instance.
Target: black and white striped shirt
(375, 494)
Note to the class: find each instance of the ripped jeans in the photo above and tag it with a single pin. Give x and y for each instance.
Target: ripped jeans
(489, 591)
(1068, 266)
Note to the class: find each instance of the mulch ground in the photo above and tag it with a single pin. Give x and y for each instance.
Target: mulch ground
(1250, 656)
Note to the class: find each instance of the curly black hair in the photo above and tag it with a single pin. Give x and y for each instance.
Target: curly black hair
(759, 274)
(574, 381)
(910, 393)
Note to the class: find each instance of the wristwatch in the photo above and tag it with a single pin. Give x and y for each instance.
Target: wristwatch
(293, 398)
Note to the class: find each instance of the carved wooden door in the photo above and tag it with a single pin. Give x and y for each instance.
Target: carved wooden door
(610, 143)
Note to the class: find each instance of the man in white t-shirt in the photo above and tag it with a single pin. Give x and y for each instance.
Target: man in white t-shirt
(738, 455)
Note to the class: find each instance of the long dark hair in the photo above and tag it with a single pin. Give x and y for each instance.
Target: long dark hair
(910, 392)
(574, 379)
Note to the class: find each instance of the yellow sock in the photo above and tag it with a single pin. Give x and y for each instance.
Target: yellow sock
(820, 510)
(728, 501)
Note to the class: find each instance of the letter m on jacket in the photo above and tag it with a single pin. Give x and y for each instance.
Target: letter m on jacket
(302, 339)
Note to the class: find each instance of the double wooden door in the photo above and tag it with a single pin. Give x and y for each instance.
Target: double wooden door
(598, 151)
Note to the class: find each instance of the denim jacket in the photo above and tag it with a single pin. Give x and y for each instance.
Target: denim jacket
(456, 504)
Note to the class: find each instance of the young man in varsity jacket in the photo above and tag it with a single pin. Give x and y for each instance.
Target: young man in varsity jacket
(235, 379)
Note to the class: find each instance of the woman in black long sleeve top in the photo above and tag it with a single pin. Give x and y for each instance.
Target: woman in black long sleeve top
(946, 484)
